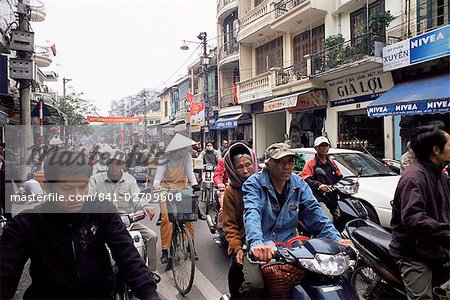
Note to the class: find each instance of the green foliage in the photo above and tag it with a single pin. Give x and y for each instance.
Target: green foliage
(333, 40)
(378, 23)
(76, 110)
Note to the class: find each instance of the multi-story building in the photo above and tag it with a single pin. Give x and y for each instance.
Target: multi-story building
(42, 56)
(310, 67)
(232, 124)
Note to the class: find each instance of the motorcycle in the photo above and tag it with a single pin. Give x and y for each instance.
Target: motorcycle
(317, 268)
(121, 289)
(349, 207)
(210, 197)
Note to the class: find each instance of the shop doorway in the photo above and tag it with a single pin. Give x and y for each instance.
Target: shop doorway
(358, 131)
(305, 127)
(270, 128)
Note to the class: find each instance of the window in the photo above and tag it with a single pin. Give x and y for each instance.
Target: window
(269, 55)
(229, 35)
(358, 18)
(166, 109)
(432, 14)
(303, 44)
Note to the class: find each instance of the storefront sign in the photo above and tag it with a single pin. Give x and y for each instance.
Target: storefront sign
(280, 103)
(414, 108)
(424, 47)
(197, 114)
(245, 119)
(91, 119)
(310, 100)
(359, 87)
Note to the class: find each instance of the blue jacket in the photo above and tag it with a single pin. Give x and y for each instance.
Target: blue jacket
(265, 221)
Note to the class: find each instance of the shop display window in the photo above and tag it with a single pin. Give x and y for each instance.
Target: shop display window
(358, 131)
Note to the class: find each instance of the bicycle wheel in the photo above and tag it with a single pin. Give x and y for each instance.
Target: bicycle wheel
(183, 259)
(364, 281)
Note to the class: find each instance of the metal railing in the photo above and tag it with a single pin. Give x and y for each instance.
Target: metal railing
(223, 3)
(344, 53)
(42, 51)
(285, 6)
(227, 98)
(293, 73)
(228, 48)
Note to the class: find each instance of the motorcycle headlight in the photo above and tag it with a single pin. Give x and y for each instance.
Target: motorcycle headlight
(349, 189)
(331, 265)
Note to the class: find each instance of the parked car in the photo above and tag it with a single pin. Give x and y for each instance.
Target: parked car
(377, 183)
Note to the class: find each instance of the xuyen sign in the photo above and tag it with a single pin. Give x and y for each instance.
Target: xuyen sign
(424, 47)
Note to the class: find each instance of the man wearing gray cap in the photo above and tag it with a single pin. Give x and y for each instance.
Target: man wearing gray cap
(274, 201)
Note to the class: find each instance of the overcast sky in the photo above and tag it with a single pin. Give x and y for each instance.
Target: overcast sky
(111, 49)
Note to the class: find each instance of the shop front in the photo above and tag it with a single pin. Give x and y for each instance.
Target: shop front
(307, 118)
(347, 123)
(413, 104)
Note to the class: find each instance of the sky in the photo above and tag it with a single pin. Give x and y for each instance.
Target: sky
(113, 48)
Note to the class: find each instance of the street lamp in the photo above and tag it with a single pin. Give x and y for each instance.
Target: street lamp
(204, 62)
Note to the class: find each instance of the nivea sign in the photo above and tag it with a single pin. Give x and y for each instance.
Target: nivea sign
(424, 47)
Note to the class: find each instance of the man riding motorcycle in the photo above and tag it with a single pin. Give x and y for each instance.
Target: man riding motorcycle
(319, 182)
(274, 201)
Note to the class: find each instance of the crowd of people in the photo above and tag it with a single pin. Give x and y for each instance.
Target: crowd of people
(257, 209)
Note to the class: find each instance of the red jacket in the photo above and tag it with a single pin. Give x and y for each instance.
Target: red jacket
(220, 176)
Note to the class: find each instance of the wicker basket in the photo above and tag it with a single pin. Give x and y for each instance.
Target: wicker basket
(185, 210)
(279, 279)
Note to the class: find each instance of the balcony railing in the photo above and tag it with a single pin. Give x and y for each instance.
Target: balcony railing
(290, 74)
(228, 48)
(257, 87)
(285, 6)
(38, 11)
(346, 52)
(223, 3)
(226, 98)
(255, 14)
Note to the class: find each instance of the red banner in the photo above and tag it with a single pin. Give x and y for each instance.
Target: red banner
(91, 119)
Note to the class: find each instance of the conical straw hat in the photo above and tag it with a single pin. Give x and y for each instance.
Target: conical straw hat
(179, 142)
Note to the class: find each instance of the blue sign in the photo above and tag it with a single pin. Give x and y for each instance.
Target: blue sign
(225, 124)
(412, 108)
(424, 47)
(430, 45)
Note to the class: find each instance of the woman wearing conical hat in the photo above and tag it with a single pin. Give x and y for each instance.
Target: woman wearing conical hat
(175, 172)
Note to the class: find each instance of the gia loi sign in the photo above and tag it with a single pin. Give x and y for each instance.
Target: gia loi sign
(358, 87)
(424, 47)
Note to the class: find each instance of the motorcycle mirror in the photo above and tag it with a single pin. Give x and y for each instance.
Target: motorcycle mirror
(360, 171)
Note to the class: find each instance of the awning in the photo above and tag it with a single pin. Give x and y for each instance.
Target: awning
(425, 96)
(227, 122)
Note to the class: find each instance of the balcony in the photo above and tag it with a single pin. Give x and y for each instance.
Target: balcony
(229, 52)
(42, 56)
(226, 98)
(255, 24)
(225, 7)
(292, 74)
(349, 57)
(290, 15)
(38, 11)
(257, 88)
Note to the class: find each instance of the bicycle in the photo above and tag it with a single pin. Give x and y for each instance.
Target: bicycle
(182, 209)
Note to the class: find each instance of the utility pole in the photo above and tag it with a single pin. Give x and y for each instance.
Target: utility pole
(205, 62)
(25, 84)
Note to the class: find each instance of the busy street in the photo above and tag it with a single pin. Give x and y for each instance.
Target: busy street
(226, 149)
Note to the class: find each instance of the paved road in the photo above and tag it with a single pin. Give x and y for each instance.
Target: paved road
(210, 280)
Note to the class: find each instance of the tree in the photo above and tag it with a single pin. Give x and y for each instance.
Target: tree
(76, 109)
